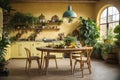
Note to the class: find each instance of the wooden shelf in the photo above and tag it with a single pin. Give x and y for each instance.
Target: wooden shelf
(50, 23)
(47, 28)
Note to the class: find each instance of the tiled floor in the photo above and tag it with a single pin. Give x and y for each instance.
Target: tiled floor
(100, 71)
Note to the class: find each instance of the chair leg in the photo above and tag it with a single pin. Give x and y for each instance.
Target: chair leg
(29, 66)
(43, 64)
(89, 67)
(38, 64)
(81, 64)
(56, 63)
(74, 66)
(26, 65)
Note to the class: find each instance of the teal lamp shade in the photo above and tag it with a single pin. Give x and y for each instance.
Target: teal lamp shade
(69, 13)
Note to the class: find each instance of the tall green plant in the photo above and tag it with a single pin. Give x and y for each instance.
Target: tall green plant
(3, 45)
(5, 4)
(88, 31)
(117, 31)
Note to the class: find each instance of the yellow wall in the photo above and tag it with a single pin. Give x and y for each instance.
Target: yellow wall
(1, 22)
(102, 4)
(49, 9)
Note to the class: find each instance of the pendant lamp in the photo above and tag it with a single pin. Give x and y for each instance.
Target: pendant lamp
(69, 13)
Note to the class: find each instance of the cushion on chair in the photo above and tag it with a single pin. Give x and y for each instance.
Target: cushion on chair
(83, 59)
(76, 55)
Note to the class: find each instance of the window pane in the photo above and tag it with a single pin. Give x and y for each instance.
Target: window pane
(110, 16)
(112, 11)
(113, 14)
(103, 30)
(104, 13)
(116, 17)
(103, 20)
(112, 26)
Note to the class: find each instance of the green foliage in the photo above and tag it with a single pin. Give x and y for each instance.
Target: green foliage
(69, 39)
(117, 31)
(25, 20)
(97, 50)
(70, 20)
(3, 45)
(106, 49)
(5, 4)
(32, 36)
(88, 31)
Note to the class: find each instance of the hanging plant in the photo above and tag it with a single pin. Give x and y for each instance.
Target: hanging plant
(22, 20)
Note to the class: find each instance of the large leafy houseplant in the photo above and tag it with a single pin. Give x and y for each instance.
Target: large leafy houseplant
(117, 36)
(107, 45)
(89, 33)
(4, 42)
(117, 42)
(107, 48)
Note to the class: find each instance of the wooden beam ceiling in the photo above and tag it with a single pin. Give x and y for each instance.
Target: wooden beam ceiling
(74, 1)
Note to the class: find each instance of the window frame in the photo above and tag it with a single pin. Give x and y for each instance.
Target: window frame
(107, 22)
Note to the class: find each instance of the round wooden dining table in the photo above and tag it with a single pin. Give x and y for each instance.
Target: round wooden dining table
(58, 50)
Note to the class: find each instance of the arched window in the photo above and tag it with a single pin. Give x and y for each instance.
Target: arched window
(110, 17)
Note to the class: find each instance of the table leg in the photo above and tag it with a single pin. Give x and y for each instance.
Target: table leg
(71, 62)
(41, 59)
(47, 63)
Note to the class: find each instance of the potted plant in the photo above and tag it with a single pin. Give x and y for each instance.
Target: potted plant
(107, 45)
(97, 50)
(106, 50)
(117, 42)
(4, 42)
(117, 36)
(88, 31)
(70, 39)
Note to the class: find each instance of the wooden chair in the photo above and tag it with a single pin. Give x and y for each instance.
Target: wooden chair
(51, 56)
(76, 54)
(84, 59)
(29, 60)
